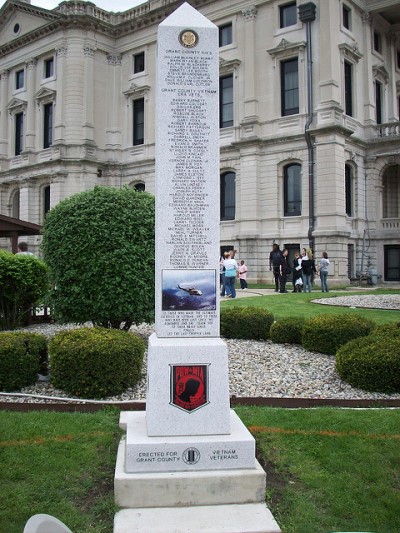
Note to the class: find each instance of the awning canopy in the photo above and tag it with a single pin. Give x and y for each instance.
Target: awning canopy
(14, 228)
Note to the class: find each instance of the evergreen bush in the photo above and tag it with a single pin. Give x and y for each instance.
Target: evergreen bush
(99, 246)
(23, 285)
(20, 357)
(287, 330)
(95, 362)
(246, 323)
(371, 363)
(327, 333)
(389, 330)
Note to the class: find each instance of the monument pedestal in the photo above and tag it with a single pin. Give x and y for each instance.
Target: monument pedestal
(218, 498)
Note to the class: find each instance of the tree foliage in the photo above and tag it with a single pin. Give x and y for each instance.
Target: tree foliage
(99, 246)
(23, 285)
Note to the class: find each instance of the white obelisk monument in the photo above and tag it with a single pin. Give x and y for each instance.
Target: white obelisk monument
(188, 450)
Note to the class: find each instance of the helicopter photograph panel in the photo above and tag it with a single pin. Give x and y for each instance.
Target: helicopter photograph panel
(189, 290)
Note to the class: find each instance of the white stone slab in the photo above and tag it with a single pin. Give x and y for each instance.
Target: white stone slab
(45, 523)
(248, 518)
(204, 413)
(169, 489)
(187, 177)
(187, 453)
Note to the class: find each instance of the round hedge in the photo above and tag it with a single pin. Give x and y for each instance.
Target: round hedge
(370, 363)
(391, 330)
(287, 330)
(246, 323)
(95, 362)
(327, 333)
(21, 355)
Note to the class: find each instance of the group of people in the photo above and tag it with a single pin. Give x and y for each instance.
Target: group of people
(304, 269)
(229, 271)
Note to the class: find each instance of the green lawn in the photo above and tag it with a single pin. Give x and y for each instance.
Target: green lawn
(299, 304)
(327, 469)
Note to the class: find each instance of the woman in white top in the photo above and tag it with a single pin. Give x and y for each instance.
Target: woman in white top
(231, 268)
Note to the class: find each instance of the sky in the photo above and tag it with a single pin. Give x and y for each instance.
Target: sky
(108, 5)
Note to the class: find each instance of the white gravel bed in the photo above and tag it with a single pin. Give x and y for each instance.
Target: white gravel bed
(371, 301)
(256, 369)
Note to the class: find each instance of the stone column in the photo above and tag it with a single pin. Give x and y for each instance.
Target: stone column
(30, 133)
(113, 128)
(59, 117)
(3, 113)
(250, 100)
(88, 94)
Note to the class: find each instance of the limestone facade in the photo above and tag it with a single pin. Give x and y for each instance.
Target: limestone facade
(309, 155)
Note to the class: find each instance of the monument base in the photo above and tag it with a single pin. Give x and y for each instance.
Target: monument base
(247, 518)
(186, 453)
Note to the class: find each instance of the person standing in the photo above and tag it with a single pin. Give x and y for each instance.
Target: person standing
(275, 262)
(285, 270)
(308, 267)
(243, 275)
(23, 249)
(225, 291)
(297, 277)
(231, 268)
(323, 271)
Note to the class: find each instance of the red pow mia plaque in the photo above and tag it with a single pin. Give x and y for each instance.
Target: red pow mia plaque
(189, 387)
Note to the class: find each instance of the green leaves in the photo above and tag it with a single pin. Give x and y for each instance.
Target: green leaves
(99, 246)
(23, 285)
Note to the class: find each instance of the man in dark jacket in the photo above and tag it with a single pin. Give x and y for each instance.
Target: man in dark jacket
(275, 262)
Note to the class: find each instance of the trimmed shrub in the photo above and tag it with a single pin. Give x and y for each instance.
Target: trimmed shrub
(95, 362)
(24, 284)
(99, 246)
(287, 330)
(387, 330)
(246, 323)
(371, 363)
(327, 333)
(20, 358)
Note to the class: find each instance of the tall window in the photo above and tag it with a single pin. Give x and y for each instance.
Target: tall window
(348, 88)
(46, 200)
(19, 133)
(138, 63)
(138, 121)
(391, 192)
(15, 204)
(378, 101)
(228, 196)
(287, 15)
(225, 34)
(49, 67)
(19, 79)
(346, 17)
(292, 190)
(290, 87)
(392, 262)
(377, 42)
(348, 190)
(47, 125)
(226, 101)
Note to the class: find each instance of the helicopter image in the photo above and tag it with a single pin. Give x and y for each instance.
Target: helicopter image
(191, 290)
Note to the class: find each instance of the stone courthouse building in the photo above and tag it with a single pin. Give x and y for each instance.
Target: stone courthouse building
(309, 119)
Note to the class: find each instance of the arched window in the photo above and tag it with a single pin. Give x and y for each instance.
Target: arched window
(391, 192)
(292, 190)
(228, 196)
(140, 187)
(15, 204)
(46, 200)
(348, 189)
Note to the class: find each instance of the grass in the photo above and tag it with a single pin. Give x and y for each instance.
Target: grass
(330, 469)
(327, 469)
(60, 464)
(299, 304)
